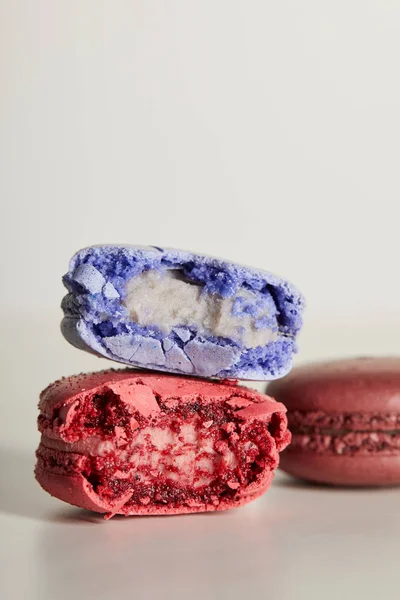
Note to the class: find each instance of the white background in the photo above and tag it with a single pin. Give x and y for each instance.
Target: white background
(263, 132)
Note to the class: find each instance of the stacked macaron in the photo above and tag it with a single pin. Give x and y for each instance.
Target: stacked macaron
(165, 436)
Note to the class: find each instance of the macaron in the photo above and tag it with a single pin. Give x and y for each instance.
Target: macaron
(180, 312)
(345, 421)
(139, 443)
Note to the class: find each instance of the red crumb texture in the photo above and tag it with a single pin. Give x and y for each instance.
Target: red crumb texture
(138, 443)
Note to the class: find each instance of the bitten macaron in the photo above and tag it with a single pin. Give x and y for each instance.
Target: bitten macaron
(130, 442)
(344, 416)
(179, 312)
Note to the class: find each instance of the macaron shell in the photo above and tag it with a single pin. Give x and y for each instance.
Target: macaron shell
(77, 491)
(359, 471)
(351, 385)
(69, 389)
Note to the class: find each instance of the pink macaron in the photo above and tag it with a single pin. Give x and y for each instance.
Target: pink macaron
(344, 416)
(135, 443)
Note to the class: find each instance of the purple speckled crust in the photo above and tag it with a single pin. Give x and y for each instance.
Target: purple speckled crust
(96, 320)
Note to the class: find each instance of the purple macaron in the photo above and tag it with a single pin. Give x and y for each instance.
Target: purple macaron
(184, 313)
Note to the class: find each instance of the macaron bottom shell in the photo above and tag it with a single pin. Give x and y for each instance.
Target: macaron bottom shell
(363, 471)
(77, 491)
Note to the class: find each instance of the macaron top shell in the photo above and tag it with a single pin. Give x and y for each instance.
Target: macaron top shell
(350, 385)
(66, 390)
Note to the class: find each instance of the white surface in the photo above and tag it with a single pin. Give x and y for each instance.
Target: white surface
(295, 543)
(265, 132)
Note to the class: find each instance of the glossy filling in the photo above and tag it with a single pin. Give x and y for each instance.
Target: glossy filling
(190, 454)
(346, 433)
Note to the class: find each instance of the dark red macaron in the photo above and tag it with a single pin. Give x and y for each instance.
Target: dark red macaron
(128, 442)
(344, 416)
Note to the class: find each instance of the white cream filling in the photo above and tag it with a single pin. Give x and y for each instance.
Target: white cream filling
(164, 300)
(179, 456)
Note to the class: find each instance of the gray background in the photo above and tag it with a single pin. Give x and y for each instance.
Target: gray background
(264, 132)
